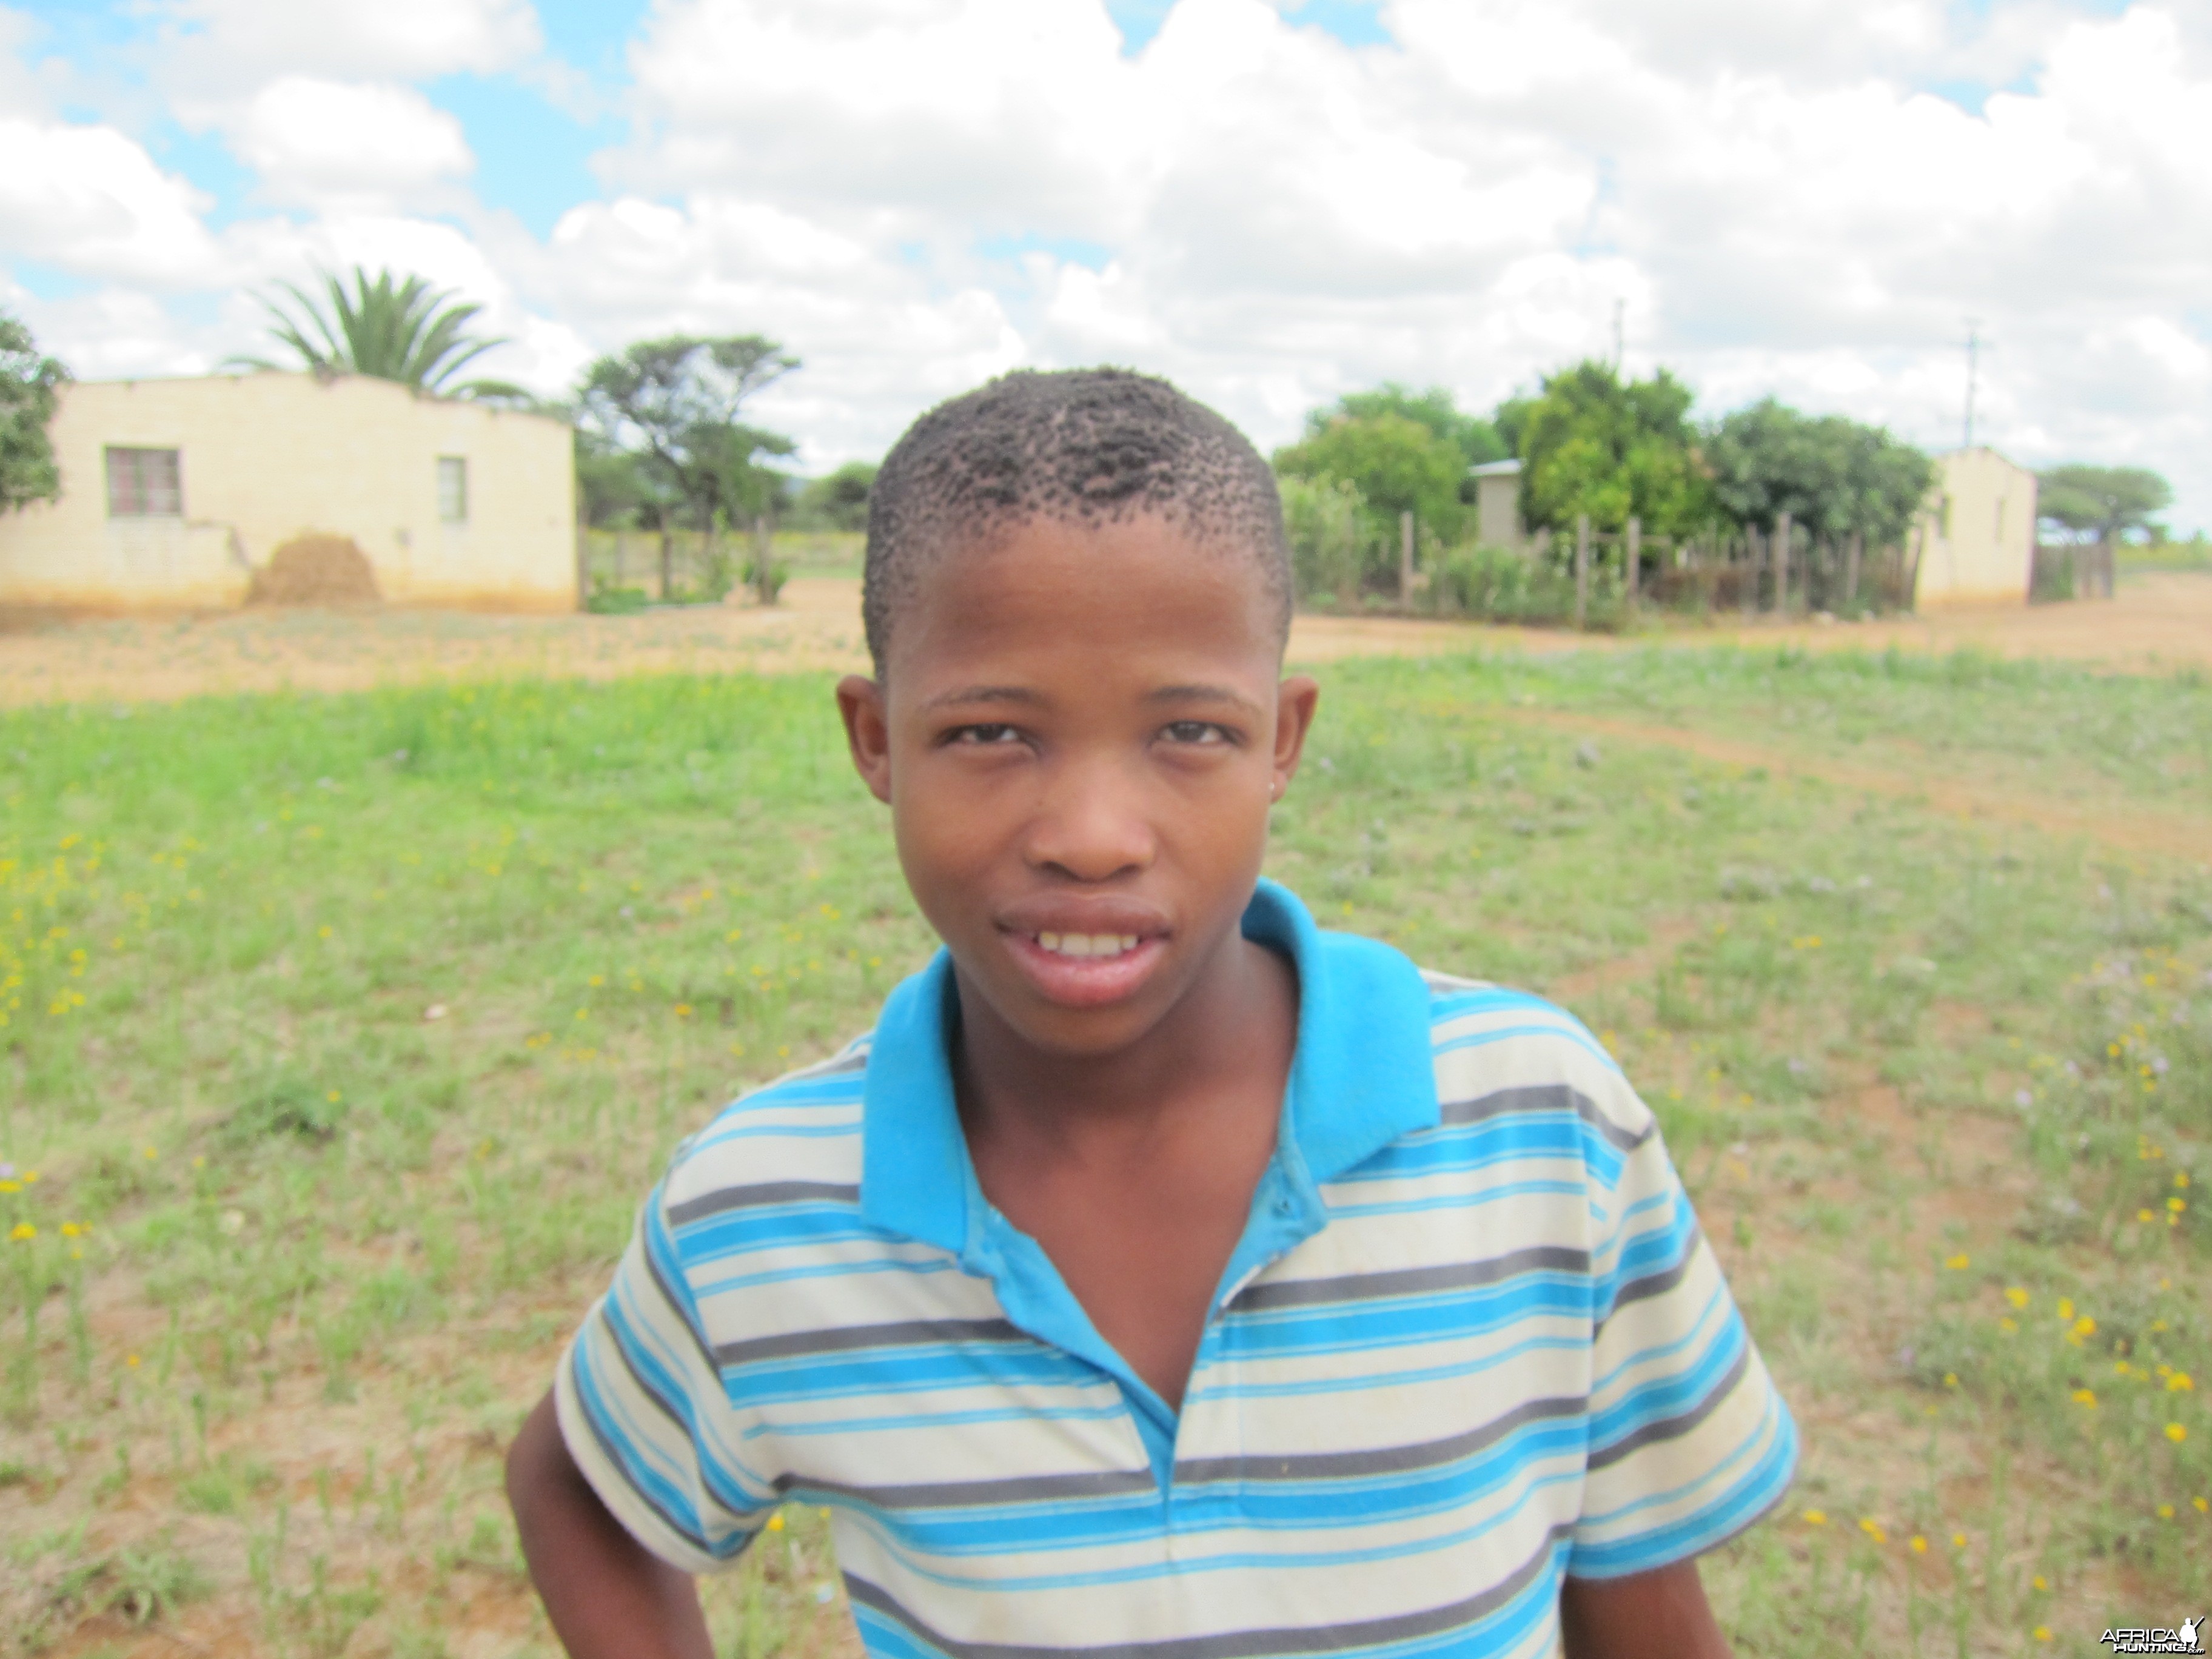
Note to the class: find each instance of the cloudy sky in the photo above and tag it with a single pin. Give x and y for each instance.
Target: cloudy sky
(1271, 201)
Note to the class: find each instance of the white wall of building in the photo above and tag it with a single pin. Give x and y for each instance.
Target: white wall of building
(1978, 532)
(261, 458)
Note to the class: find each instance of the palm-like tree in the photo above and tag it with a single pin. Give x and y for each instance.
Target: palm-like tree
(407, 332)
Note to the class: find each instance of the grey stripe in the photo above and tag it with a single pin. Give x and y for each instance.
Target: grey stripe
(676, 1303)
(845, 1338)
(667, 1406)
(1410, 1281)
(980, 1494)
(1244, 1644)
(1381, 1460)
(1651, 1284)
(760, 1196)
(1668, 1428)
(1543, 1097)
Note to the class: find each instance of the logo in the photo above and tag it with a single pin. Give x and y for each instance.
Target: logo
(2187, 1639)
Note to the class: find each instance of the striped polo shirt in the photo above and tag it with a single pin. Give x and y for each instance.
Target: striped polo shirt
(1471, 1340)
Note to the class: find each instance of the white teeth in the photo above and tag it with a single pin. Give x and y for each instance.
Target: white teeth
(1088, 945)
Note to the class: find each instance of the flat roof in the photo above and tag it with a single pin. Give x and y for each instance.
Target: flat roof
(1496, 470)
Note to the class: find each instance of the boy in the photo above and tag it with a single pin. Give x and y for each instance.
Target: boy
(1163, 1277)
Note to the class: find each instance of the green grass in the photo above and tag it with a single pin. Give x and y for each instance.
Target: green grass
(343, 1035)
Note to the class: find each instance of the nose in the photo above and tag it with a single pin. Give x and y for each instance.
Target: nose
(1091, 823)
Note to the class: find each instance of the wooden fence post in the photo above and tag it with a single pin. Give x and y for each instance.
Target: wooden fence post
(1852, 555)
(583, 558)
(1582, 568)
(1782, 533)
(1405, 562)
(667, 560)
(1635, 572)
(1747, 597)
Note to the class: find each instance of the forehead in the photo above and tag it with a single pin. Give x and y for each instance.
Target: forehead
(1069, 597)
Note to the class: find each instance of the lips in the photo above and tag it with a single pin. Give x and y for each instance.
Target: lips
(1084, 954)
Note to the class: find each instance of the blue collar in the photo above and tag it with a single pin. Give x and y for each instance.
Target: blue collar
(1362, 1077)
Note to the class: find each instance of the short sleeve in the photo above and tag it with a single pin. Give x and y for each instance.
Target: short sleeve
(646, 1416)
(1689, 1441)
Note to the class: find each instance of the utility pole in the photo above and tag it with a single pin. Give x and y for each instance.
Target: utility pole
(1974, 364)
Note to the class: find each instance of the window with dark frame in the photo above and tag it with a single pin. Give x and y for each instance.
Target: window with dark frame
(453, 489)
(145, 484)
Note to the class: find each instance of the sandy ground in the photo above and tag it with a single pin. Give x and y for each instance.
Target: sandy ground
(2157, 621)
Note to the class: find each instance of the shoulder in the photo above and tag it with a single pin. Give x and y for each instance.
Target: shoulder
(795, 1140)
(1501, 1053)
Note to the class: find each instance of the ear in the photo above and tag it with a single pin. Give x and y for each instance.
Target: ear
(1296, 700)
(867, 732)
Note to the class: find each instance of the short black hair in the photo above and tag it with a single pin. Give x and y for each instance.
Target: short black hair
(1085, 446)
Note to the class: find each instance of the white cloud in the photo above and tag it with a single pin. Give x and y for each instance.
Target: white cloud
(1788, 197)
(91, 201)
(228, 44)
(320, 142)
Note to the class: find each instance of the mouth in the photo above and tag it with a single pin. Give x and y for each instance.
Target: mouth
(1087, 968)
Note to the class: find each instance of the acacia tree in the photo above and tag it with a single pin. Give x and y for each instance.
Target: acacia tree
(2100, 503)
(1592, 443)
(675, 402)
(29, 383)
(388, 329)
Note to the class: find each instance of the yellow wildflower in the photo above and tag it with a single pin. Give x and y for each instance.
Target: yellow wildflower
(2179, 1382)
(775, 1521)
(1958, 1264)
(2017, 1296)
(1958, 1540)
(2177, 1432)
(1919, 1545)
(1817, 1517)
(23, 1232)
(2087, 1397)
(1872, 1528)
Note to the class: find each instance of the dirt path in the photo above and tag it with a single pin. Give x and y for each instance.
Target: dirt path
(2157, 621)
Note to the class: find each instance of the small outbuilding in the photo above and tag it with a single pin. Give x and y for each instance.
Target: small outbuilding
(1977, 534)
(1498, 506)
(176, 493)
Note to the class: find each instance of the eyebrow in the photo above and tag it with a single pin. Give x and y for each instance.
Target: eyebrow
(1203, 694)
(968, 694)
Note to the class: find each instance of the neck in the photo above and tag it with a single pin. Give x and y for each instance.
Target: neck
(1082, 1106)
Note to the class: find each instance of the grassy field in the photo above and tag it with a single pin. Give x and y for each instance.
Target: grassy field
(339, 1036)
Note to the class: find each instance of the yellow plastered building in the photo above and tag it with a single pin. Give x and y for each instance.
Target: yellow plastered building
(1978, 532)
(174, 491)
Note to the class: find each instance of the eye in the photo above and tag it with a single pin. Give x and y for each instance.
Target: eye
(1196, 733)
(988, 734)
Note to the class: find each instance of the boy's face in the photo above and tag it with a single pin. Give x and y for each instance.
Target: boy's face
(1080, 731)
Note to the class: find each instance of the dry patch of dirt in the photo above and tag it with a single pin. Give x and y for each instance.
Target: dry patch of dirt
(2158, 621)
(315, 569)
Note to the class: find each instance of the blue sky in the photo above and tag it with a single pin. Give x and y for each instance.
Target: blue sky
(1274, 201)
